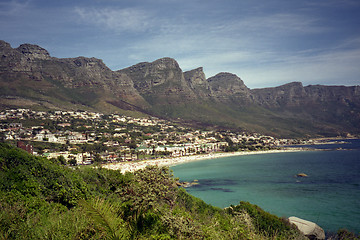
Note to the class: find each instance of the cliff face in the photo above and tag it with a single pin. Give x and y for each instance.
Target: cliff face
(160, 82)
(328, 108)
(198, 83)
(315, 99)
(22, 58)
(29, 72)
(33, 52)
(295, 95)
(30, 76)
(227, 87)
(223, 87)
(290, 94)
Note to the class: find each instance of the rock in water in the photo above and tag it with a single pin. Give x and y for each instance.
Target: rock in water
(309, 229)
(302, 175)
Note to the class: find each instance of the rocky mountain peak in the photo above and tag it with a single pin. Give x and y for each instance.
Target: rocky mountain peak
(292, 85)
(197, 82)
(33, 51)
(164, 63)
(227, 81)
(228, 87)
(293, 89)
(290, 94)
(195, 77)
(4, 45)
(223, 75)
(88, 63)
(147, 75)
(163, 79)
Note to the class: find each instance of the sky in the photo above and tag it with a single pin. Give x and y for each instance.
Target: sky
(266, 43)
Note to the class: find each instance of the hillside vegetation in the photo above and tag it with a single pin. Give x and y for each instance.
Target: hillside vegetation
(42, 199)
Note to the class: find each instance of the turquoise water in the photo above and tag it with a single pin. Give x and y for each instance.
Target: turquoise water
(330, 196)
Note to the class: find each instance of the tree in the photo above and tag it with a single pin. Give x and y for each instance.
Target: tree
(150, 188)
(153, 150)
(97, 158)
(2, 137)
(73, 161)
(61, 160)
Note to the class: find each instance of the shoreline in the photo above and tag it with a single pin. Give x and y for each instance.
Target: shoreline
(161, 162)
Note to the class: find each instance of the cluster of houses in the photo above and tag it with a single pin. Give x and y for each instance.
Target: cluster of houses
(38, 133)
(117, 133)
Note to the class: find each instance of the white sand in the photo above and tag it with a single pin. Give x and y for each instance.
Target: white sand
(133, 166)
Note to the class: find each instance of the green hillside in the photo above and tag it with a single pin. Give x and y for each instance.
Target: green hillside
(247, 118)
(42, 199)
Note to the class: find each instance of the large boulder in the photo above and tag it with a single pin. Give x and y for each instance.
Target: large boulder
(309, 229)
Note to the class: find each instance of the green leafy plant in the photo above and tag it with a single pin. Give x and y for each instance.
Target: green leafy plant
(264, 222)
(107, 216)
(149, 189)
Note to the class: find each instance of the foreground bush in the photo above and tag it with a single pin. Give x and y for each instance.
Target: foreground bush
(42, 199)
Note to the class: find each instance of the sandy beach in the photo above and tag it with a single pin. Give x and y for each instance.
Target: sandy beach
(134, 166)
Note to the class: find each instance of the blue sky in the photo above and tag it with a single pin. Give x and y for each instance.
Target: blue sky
(265, 42)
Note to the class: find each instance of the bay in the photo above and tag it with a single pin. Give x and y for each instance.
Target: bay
(329, 196)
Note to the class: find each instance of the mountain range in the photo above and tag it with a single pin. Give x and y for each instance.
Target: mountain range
(31, 78)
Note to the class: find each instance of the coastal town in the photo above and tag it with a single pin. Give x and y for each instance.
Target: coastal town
(82, 137)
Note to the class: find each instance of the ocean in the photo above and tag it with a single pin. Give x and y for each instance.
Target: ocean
(329, 196)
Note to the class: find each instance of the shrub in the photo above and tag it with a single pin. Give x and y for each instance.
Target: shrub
(265, 223)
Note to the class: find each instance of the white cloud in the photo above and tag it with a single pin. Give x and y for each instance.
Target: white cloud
(118, 20)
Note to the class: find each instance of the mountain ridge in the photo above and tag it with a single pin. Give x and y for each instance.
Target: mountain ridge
(29, 76)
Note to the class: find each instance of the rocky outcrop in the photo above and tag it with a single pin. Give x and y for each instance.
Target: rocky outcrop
(160, 82)
(30, 72)
(31, 51)
(197, 82)
(336, 107)
(187, 184)
(295, 94)
(309, 229)
(227, 87)
(147, 76)
(196, 78)
(291, 94)
(340, 94)
(302, 175)
(4, 46)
